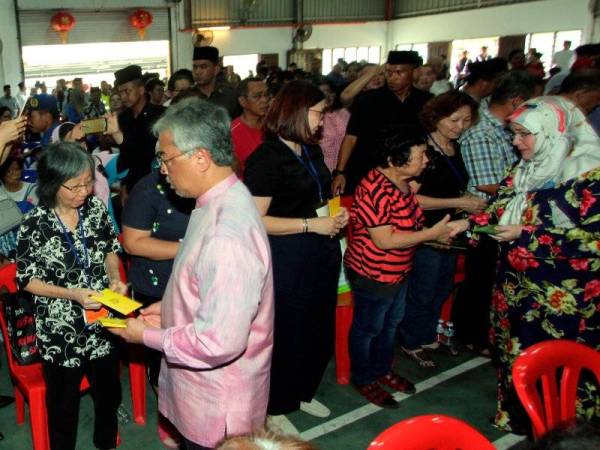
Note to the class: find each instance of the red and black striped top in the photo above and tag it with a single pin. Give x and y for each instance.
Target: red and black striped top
(379, 202)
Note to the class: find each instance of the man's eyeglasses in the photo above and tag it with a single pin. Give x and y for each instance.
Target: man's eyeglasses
(79, 188)
(160, 159)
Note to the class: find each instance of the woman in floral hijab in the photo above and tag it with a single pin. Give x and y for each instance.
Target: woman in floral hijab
(548, 212)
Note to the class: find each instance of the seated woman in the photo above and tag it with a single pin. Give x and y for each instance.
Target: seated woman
(441, 190)
(387, 226)
(549, 225)
(66, 252)
(22, 192)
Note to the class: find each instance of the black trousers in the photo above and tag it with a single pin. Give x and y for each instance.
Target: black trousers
(63, 395)
(151, 356)
(471, 309)
(306, 270)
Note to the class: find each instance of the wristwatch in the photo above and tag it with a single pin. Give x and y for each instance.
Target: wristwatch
(336, 172)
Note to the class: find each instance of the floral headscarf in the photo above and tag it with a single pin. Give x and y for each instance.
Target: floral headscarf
(565, 147)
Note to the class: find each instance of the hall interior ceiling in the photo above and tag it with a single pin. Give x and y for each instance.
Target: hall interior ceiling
(204, 13)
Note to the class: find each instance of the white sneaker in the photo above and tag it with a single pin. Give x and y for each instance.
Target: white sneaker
(280, 424)
(315, 408)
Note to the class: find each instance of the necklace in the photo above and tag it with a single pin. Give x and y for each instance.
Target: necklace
(445, 151)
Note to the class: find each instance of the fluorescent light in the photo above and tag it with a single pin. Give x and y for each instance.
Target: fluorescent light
(223, 28)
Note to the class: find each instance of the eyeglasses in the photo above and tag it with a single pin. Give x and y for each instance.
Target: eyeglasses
(160, 159)
(80, 188)
(258, 96)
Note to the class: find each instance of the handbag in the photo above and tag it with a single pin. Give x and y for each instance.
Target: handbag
(20, 323)
(10, 214)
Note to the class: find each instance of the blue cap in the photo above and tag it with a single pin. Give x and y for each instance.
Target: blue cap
(43, 102)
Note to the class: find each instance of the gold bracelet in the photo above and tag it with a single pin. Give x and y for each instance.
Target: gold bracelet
(305, 225)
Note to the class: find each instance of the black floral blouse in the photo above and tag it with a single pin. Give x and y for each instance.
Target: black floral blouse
(44, 253)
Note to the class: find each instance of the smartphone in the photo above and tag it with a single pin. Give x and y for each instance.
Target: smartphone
(94, 126)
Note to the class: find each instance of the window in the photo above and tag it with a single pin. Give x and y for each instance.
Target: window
(243, 65)
(549, 43)
(473, 47)
(349, 54)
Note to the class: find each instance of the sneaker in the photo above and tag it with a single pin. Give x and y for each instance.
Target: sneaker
(315, 408)
(280, 424)
(398, 383)
(376, 395)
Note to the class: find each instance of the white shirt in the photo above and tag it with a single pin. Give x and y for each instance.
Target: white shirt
(27, 192)
(563, 59)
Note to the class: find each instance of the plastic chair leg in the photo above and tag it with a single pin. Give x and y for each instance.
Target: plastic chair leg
(343, 321)
(137, 380)
(39, 420)
(19, 406)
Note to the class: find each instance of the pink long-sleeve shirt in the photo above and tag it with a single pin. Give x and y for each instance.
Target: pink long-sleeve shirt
(217, 320)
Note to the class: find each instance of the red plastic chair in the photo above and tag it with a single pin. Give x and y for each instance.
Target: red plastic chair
(540, 363)
(343, 321)
(432, 431)
(29, 384)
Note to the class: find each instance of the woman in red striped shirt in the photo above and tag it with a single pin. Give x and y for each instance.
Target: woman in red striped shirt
(387, 225)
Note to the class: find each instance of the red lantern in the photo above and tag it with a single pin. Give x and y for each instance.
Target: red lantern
(62, 22)
(140, 19)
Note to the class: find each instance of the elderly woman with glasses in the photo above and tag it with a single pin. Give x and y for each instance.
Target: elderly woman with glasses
(66, 253)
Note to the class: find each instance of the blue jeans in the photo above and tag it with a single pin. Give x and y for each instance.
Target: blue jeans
(373, 332)
(429, 285)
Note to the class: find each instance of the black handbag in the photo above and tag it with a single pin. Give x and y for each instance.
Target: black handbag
(20, 322)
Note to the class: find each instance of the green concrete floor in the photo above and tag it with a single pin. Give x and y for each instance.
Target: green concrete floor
(462, 386)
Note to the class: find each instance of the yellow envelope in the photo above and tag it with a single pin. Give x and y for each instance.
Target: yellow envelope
(111, 322)
(118, 302)
(334, 205)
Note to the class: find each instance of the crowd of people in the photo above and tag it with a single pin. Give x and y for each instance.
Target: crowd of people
(217, 190)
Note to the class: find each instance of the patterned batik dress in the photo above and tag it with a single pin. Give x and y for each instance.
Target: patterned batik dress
(547, 285)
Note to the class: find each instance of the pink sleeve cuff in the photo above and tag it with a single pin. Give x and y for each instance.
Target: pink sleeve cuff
(153, 338)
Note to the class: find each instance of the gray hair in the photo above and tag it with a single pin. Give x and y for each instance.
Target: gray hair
(196, 123)
(61, 162)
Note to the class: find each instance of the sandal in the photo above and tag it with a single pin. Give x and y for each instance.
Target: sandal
(420, 357)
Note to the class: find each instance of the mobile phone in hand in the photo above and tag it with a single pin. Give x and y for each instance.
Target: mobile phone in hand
(94, 126)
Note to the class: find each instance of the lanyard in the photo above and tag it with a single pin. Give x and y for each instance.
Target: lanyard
(310, 167)
(452, 166)
(83, 264)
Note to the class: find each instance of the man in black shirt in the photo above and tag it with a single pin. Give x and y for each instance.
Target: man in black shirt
(131, 130)
(393, 108)
(206, 67)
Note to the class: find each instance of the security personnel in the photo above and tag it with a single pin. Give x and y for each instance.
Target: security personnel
(391, 109)
(132, 128)
(205, 68)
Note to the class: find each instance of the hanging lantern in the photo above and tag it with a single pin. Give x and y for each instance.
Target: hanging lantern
(140, 19)
(62, 22)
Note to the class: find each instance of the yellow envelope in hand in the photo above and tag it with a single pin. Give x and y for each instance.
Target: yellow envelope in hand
(334, 205)
(115, 301)
(111, 322)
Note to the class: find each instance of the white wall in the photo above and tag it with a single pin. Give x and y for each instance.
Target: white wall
(530, 17)
(10, 52)
(278, 40)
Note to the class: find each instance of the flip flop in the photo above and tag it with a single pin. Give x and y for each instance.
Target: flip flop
(420, 357)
